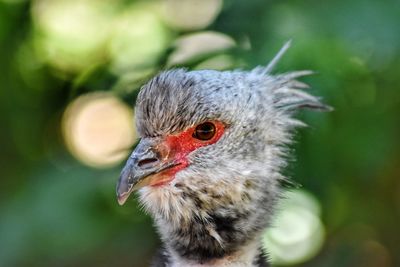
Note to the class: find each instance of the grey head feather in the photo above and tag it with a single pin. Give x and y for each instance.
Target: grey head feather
(174, 99)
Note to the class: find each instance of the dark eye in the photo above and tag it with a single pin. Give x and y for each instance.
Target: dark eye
(204, 131)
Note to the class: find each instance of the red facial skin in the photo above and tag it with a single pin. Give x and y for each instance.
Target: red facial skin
(179, 146)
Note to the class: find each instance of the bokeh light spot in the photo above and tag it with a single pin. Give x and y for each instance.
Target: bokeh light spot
(138, 38)
(193, 45)
(298, 233)
(70, 34)
(191, 14)
(219, 62)
(98, 129)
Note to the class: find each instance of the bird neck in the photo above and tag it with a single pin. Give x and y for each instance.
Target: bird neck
(210, 227)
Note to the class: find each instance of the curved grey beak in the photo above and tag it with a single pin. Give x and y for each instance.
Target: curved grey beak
(148, 158)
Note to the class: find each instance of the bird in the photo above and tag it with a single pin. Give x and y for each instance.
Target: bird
(209, 164)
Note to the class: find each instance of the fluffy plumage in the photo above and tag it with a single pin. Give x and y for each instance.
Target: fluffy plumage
(214, 210)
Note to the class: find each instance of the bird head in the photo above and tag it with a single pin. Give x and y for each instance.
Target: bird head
(213, 144)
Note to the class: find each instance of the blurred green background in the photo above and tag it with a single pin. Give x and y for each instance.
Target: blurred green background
(69, 74)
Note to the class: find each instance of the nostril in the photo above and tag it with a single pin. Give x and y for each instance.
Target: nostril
(147, 161)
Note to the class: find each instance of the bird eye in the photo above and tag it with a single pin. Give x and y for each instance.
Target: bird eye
(204, 131)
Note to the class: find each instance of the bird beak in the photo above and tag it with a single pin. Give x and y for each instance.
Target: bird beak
(143, 167)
